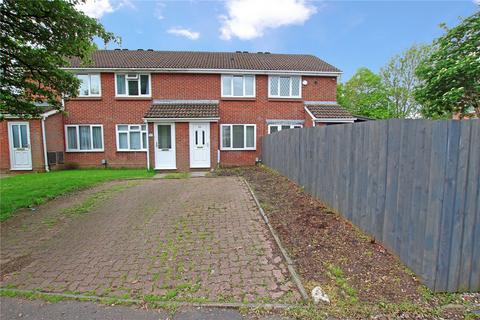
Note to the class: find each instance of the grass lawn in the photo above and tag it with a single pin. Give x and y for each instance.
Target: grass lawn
(32, 189)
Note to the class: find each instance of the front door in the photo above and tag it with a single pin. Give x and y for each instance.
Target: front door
(165, 146)
(20, 149)
(199, 145)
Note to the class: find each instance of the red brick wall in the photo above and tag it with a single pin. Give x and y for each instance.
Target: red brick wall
(54, 133)
(35, 142)
(110, 111)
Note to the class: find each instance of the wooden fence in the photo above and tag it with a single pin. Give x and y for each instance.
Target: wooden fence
(412, 184)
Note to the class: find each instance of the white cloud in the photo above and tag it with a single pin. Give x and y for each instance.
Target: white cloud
(98, 8)
(158, 12)
(248, 19)
(192, 35)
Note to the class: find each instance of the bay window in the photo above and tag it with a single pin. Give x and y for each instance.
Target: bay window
(132, 85)
(84, 137)
(242, 86)
(238, 137)
(131, 137)
(89, 85)
(284, 87)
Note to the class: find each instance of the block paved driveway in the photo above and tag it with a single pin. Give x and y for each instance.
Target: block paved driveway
(190, 239)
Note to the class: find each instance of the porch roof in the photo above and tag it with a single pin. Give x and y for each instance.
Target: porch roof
(183, 109)
(327, 110)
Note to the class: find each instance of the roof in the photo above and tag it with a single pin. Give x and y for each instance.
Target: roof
(149, 59)
(327, 110)
(183, 109)
(44, 110)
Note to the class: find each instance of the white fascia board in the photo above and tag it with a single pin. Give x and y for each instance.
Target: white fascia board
(346, 120)
(181, 119)
(50, 113)
(219, 71)
(309, 113)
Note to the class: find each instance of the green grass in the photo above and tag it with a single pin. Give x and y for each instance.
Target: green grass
(177, 175)
(27, 190)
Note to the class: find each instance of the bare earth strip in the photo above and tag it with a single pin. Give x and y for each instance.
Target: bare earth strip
(191, 239)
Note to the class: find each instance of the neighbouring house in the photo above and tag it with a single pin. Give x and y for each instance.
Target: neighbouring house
(175, 110)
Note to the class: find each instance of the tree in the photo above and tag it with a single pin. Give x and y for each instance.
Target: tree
(400, 81)
(364, 95)
(37, 39)
(451, 74)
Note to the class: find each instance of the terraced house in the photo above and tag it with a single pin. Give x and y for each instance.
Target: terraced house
(175, 110)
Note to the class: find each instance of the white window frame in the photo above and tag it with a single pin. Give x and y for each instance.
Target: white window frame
(140, 95)
(231, 148)
(278, 88)
(89, 85)
(243, 81)
(128, 140)
(67, 149)
(292, 126)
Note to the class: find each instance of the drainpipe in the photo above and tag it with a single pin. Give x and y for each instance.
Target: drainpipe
(148, 147)
(44, 140)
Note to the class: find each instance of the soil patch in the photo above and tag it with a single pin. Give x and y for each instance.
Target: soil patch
(361, 277)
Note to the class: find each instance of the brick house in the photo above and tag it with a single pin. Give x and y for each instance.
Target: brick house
(175, 110)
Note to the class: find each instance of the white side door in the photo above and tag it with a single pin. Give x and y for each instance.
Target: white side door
(199, 145)
(165, 157)
(20, 149)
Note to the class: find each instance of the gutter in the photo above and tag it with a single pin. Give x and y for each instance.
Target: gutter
(181, 119)
(44, 141)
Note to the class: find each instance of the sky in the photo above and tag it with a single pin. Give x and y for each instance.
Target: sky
(347, 34)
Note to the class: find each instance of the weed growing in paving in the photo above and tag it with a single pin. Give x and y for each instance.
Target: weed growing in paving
(177, 175)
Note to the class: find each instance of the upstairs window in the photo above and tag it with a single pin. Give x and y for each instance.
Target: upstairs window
(238, 86)
(284, 87)
(132, 85)
(131, 137)
(89, 85)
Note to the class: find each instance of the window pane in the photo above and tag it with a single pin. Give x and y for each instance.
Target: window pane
(249, 84)
(123, 140)
(274, 86)
(250, 136)
(273, 129)
(164, 137)
(226, 83)
(284, 87)
(226, 137)
(297, 127)
(97, 137)
(296, 86)
(95, 84)
(144, 87)
(121, 84)
(85, 139)
(134, 128)
(238, 136)
(144, 140)
(135, 141)
(23, 136)
(132, 87)
(72, 138)
(15, 136)
(144, 127)
(238, 86)
(122, 127)
(285, 127)
(83, 84)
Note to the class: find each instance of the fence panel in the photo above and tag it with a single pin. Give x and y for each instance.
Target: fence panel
(412, 184)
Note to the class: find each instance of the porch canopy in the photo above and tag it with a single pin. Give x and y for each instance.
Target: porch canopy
(328, 111)
(183, 110)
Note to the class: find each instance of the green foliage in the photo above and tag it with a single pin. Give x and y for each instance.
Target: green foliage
(451, 74)
(37, 39)
(364, 95)
(399, 79)
(35, 188)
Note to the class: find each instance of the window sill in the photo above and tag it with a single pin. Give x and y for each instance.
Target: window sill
(249, 149)
(239, 98)
(131, 150)
(83, 151)
(285, 99)
(133, 98)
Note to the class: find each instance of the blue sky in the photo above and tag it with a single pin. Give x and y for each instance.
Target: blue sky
(347, 34)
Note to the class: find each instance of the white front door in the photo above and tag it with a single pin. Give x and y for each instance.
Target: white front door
(20, 149)
(165, 146)
(199, 145)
